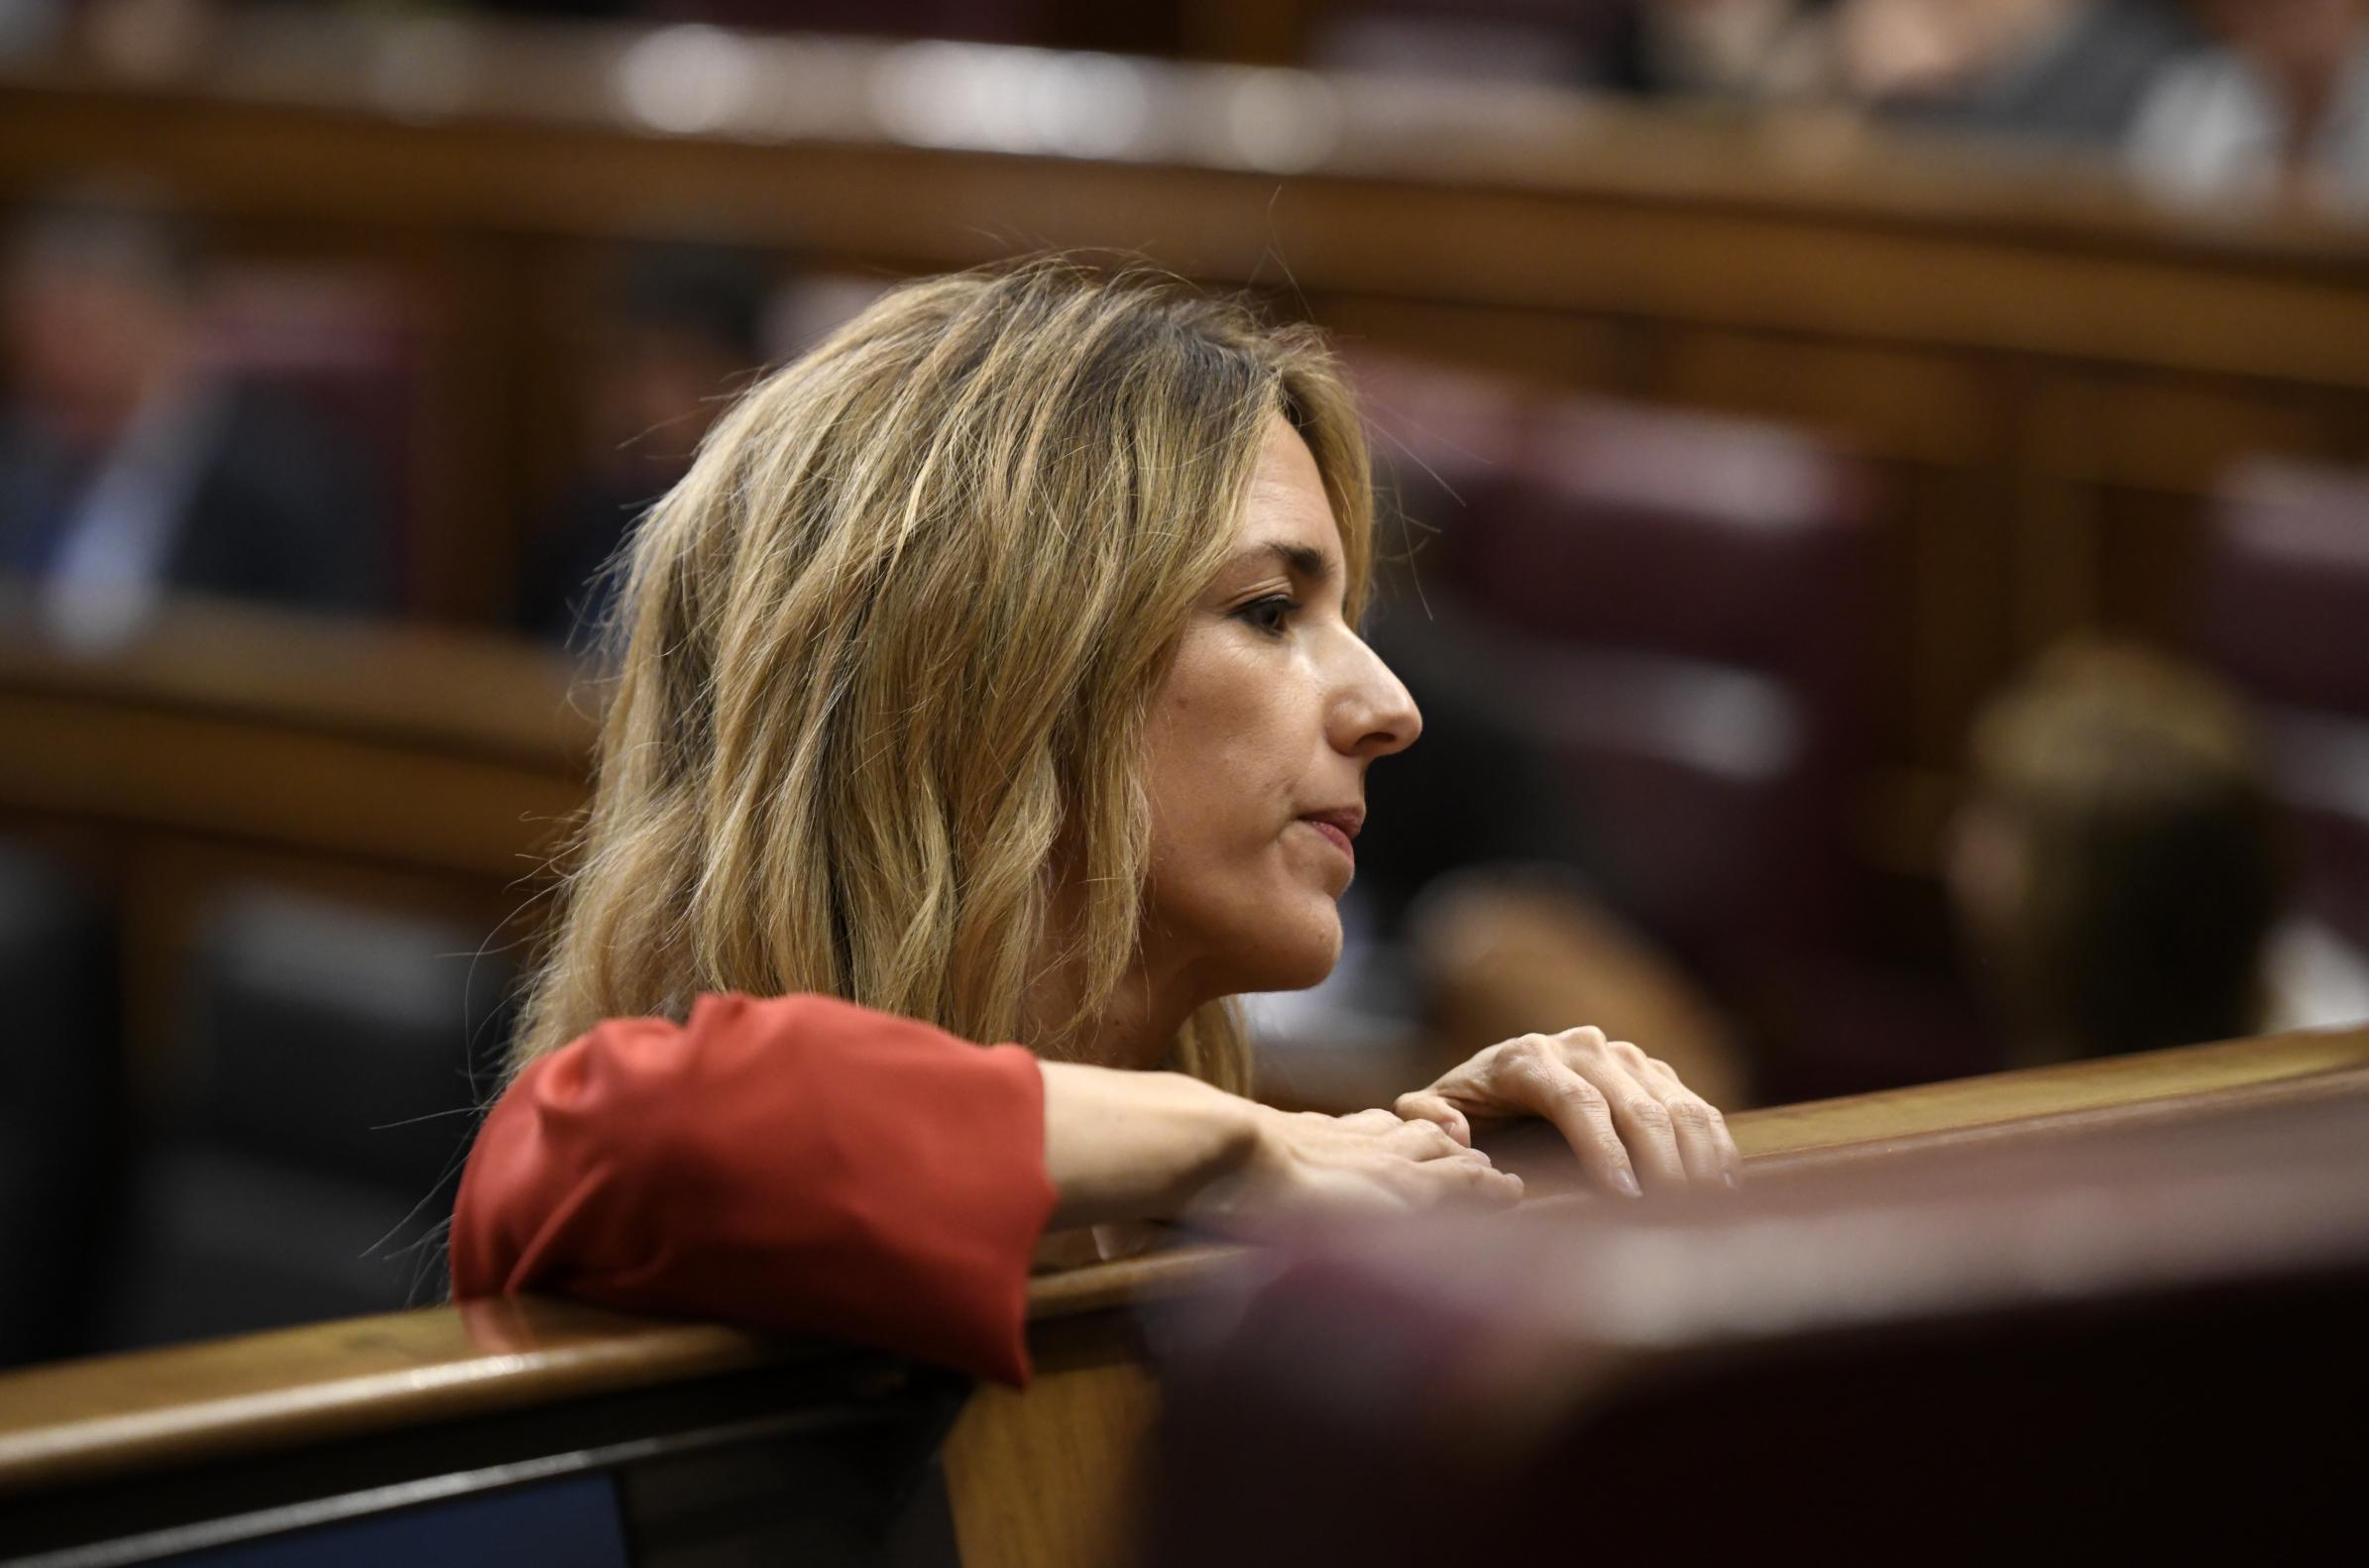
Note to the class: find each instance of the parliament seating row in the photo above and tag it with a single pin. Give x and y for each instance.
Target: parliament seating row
(2047, 370)
(1678, 618)
(1909, 1275)
(1676, 611)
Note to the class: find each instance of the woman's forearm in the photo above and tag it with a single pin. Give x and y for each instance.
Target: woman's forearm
(1122, 1145)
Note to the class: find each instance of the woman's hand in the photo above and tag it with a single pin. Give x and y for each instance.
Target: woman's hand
(1633, 1124)
(1301, 1162)
(1131, 1146)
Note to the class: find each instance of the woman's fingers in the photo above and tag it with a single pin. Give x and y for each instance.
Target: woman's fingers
(1644, 1126)
(1634, 1126)
(1424, 1105)
(1703, 1137)
(1424, 1141)
(1533, 1076)
(1461, 1180)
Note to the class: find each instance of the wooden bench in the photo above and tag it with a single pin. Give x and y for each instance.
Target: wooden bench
(708, 1434)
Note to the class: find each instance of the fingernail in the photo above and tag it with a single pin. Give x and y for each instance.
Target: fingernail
(1626, 1181)
(1732, 1178)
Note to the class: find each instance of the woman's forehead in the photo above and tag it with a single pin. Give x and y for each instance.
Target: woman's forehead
(1288, 506)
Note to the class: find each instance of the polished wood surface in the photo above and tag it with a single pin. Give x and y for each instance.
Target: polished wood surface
(79, 1420)
(2193, 1075)
(148, 1408)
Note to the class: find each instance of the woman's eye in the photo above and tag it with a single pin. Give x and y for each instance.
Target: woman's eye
(1270, 614)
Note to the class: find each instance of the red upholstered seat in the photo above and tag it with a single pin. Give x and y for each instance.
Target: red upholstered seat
(1676, 610)
(1676, 615)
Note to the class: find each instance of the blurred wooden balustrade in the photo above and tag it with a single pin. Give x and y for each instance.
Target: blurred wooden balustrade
(711, 1444)
(2047, 374)
(394, 766)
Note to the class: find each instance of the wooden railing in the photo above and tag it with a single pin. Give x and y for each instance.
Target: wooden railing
(2049, 372)
(411, 748)
(344, 1422)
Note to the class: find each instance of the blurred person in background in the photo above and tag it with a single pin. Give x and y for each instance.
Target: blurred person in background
(685, 330)
(2116, 868)
(1753, 51)
(133, 464)
(2066, 71)
(2281, 109)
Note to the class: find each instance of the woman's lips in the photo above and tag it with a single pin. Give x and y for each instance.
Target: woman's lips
(1338, 839)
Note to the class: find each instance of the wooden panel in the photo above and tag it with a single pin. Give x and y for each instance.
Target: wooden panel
(455, 753)
(1053, 1475)
(339, 796)
(1926, 407)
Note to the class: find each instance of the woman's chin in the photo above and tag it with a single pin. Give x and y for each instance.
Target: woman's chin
(1290, 959)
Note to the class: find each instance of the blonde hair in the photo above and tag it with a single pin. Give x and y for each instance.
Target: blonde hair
(890, 644)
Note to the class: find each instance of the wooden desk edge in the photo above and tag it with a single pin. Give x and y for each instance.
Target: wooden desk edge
(84, 1420)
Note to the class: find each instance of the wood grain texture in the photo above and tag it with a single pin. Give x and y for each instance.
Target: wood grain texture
(1051, 1474)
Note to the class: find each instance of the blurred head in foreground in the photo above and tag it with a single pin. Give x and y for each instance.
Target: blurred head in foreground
(2115, 867)
(996, 664)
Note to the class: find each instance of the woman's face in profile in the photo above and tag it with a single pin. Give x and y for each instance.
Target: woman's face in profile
(1259, 741)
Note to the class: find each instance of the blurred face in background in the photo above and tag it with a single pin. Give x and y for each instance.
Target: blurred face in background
(1260, 738)
(89, 337)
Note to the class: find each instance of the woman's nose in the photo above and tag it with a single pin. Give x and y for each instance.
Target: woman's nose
(1377, 715)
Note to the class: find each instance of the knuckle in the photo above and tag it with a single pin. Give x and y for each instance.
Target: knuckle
(1692, 1115)
(1524, 1066)
(1580, 1094)
(1586, 1035)
(1651, 1115)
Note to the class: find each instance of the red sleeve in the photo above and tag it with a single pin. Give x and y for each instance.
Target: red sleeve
(798, 1164)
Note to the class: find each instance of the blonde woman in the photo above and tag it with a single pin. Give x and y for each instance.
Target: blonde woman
(992, 676)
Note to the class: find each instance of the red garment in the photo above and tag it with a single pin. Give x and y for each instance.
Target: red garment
(798, 1164)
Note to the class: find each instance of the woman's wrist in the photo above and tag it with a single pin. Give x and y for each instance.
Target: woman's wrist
(1123, 1146)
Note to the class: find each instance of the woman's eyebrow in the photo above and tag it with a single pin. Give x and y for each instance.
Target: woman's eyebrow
(1300, 560)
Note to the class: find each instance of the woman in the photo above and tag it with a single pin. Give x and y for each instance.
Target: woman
(991, 676)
